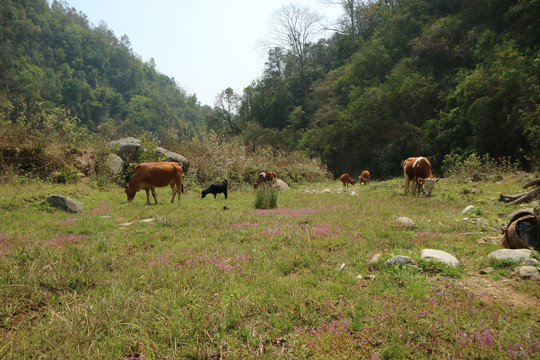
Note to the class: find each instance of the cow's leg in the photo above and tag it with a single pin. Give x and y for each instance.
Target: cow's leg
(147, 196)
(407, 180)
(173, 188)
(154, 193)
(225, 193)
(215, 194)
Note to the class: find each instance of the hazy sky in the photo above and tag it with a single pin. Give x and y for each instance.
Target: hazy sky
(205, 45)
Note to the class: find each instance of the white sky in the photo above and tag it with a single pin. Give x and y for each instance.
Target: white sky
(205, 45)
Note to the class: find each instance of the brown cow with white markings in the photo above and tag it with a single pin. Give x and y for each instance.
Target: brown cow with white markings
(419, 171)
(147, 176)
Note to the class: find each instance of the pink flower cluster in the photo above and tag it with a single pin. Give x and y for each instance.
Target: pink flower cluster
(243, 225)
(62, 240)
(296, 212)
(101, 208)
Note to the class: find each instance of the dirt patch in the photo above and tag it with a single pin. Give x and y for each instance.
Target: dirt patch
(503, 292)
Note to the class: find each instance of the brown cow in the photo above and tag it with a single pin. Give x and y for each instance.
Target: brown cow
(364, 177)
(419, 171)
(155, 174)
(266, 177)
(346, 180)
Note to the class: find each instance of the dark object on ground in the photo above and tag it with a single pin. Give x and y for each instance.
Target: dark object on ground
(216, 188)
(522, 232)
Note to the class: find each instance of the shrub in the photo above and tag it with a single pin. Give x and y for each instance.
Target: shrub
(464, 166)
(266, 197)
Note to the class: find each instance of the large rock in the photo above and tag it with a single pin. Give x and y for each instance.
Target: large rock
(281, 184)
(440, 256)
(126, 148)
(115, 164)
(172, 156)
(64, 203)
(515, 255)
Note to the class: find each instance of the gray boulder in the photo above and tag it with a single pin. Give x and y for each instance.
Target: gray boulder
(64, 203)
(172, 156)
(440, 256)
(515, 255)
(401, 261)
(281, 184)
(528, 272)
(115, 164)
(126, 148)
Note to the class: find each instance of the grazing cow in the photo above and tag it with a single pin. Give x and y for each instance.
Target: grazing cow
(266, 177)
(346, 180)
(216, 188)
(155, 174)
(364, 177)
(419, 171)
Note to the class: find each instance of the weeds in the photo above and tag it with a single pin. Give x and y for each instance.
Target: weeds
(202, 282)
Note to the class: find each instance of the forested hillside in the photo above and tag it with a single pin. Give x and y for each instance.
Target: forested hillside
(397, 78)
(54, 63)
(405, 78)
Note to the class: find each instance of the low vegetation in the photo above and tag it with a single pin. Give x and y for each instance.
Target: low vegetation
(220, 279)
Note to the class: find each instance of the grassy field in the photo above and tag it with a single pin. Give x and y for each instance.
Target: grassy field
(196, 280)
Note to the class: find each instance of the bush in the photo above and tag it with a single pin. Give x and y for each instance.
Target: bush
(213, 156)
(266, 197)
(465, 166)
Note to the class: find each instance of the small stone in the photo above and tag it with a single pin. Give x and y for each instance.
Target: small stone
(440, 256)
(342, 266)
(405, 221)
(530, 262)
(375, 258)
(359, 277)
(486, 271)
(400, 260)
(515, 255)
(467, 209)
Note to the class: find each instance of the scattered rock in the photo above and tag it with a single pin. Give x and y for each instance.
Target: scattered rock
(359, 277)
(281, 184)
(467, 209)
(342, 266)
(405, 222)
(486, 271)
(530, 262)
(515, 255)
(374, 258)
(128, 148)
(440, 256)
(65, 203)
(400, 260)
(370, 277)
(528, 272)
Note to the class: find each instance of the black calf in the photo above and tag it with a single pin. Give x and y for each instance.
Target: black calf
(216, 188)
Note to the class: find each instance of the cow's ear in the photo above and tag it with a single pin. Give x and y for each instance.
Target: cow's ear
(437, 179)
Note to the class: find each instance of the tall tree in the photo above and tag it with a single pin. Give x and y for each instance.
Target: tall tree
(294, 28)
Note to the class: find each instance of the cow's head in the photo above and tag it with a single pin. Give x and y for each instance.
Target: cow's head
(130, 192)
(429, 185)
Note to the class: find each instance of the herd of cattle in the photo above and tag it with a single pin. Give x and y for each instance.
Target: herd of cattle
(148, 176)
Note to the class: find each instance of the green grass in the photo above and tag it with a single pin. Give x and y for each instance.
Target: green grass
(200, 281)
